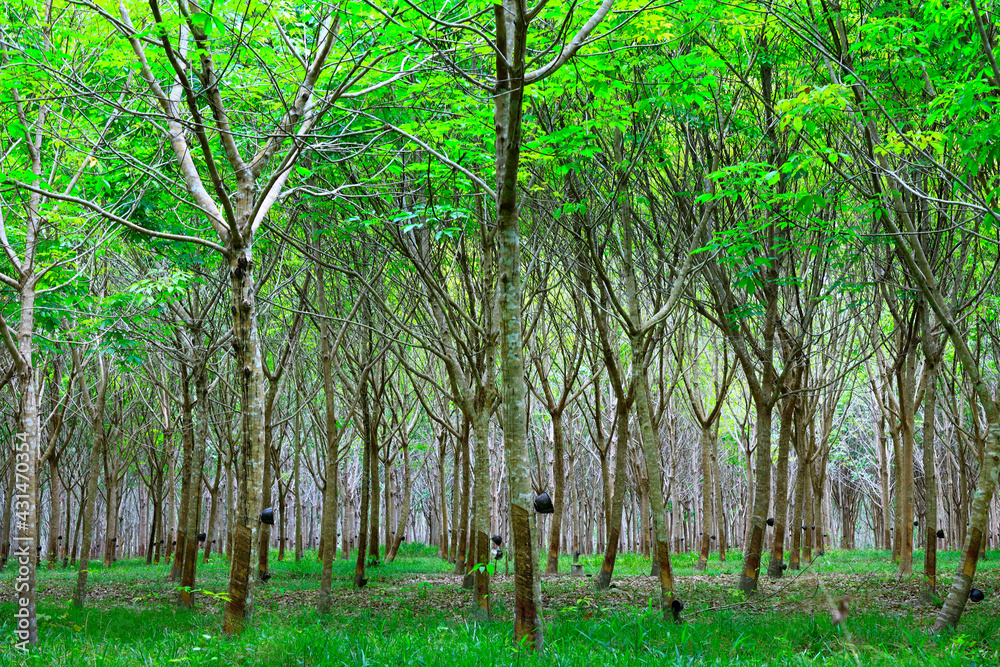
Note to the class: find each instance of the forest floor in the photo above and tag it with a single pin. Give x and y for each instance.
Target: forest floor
(415, 612)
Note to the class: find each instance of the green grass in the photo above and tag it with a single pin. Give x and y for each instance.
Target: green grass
(414, 613)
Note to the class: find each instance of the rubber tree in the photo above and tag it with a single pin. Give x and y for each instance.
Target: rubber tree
(404, 514)
(19, 343)
(896, 220)
(555, 404)
(53, 454)
(932, 345)
(764, 380)
(509, 40)
(332, 436)
(910, 250)
(25, 267)
(774, 566)
(94, 406)
(886, 187)
(756, 353)
(363, 491)
(707, 417)
(471, 381)
(237, 197)
(797, 338)
(640, 332)
(512, 22)
(614, 496)
(196, 348)
(273, 381)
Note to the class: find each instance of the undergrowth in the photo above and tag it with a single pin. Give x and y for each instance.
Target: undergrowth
(133, 620)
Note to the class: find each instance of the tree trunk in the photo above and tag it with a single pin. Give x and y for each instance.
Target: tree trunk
(883, 475)
(169, 520)
(894, 436)
(55, 498)
(329, 520)
(187, 438)
(151, 545)
(480, 544)
(213, 512)
(111, 508)
(512, 36)
(651, 453)
(267, 500)
(781, 490)
(808, 518)
(200, 436)
(363, 492)
(328, 528)
(373, 479)
(404, 515)
(463, 519)
(761, 499)
(798, 508)
(559, 492)
(249, 368)
(904, 489)
(387, 495)
(230, 501)
(96, 415)
(932, 359)
(720, 504)
(297, 489)
(618, 501)
(456, 502)
(76, 530)
(25, 490)
(443, 496)
(706, 497)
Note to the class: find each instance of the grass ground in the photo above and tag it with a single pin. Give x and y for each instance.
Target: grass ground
(414, 612)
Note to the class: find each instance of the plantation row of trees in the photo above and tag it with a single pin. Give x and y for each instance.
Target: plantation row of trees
(139, 469)
(711, 276)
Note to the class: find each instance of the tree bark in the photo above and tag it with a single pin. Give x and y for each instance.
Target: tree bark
(603, 579)
(297, 489)
(480, 544)
(363, 491)
(559, 492)
(511, 37)
(720, 499)
(55, 498)
(404, 515)
(932, 351)
(187, 440)
(463, 518)
(808, 519)
(651, 454)
(213, 512)
(111, 504)
(707, 487)
(904, 489)
(332, 436)
(200, 434)
(781, 490)
(25, 462)
(761, 501)
(95, 412)
(883, 481)
(249, 368)
(443, 495)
